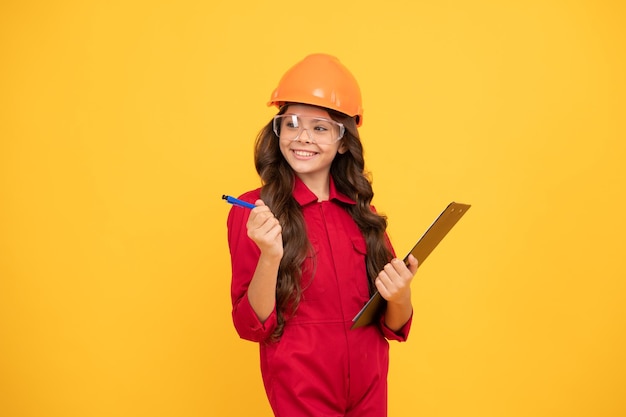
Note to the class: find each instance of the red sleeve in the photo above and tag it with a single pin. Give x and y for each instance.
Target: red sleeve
(244, 255)
(401, 335)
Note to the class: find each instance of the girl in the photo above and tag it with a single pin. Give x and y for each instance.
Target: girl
(309, 255)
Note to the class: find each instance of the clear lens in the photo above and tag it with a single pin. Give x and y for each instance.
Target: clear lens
(318, 130)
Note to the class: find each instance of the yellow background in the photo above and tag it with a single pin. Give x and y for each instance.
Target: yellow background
(123, 123)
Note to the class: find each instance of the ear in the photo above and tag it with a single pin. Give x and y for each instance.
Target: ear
(342, 148)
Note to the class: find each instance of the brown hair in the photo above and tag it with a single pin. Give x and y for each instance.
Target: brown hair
(351, 179)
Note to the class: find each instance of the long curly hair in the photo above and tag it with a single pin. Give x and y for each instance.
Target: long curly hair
(351, 179)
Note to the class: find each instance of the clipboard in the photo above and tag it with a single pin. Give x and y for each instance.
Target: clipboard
(424, 246)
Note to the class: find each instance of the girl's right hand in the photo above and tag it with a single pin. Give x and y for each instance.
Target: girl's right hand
(265, 230)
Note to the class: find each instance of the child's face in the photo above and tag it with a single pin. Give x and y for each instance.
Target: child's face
(308, 159)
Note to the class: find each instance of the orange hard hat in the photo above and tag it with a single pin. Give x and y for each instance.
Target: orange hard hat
(320, 80)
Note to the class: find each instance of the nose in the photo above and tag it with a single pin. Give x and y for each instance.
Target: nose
(300, 137)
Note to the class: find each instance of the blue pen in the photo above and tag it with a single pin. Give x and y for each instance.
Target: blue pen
(237, 202)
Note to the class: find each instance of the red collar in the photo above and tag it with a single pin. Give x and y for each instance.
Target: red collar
(304, 196)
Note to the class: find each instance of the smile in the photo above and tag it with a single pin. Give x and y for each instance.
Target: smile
(304, 154)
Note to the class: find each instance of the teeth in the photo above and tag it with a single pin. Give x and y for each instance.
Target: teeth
(304, 153)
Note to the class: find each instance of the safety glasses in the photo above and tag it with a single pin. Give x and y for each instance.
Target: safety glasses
(319, 130)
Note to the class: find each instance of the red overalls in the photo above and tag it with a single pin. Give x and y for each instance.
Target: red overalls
(319, 367)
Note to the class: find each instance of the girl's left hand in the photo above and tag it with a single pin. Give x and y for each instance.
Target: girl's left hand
(394, 281)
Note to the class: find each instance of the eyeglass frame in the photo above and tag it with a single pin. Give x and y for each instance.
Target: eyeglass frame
(342, 128)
